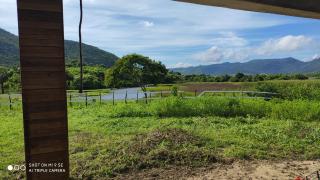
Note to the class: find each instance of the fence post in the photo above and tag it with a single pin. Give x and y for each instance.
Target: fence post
(100, 98)
(10, 102)
(195, 93)
(146, 97)
(112, 97)
(150, 96)
(70, 100)
(161, 94)
(137, 96)
(125, 98)
(86, 99)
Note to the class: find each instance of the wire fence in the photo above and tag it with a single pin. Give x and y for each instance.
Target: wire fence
(13, 100)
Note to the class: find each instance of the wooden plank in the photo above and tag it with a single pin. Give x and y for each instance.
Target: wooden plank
(49, 144)
(41, 51)
(41, 62)
(35, 32)
(305, 8)
(47, 107)
(46, 115)
(46, 127)
(46, 5)
(45, 42)
(44, 95)
(43, 80)
(43, 25)
(39, 16)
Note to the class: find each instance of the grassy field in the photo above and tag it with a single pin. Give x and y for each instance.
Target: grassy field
(287, 89)
(108, 141)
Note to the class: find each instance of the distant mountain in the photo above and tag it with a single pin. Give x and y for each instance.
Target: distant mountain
(266, 66)
(9, 52)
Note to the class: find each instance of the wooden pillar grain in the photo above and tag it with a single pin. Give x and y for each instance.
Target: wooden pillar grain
(43, 79)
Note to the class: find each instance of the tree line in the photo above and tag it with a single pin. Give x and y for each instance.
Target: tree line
(135, 70)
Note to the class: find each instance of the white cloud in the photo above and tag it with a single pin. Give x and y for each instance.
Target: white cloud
(316, 56)
(287, 43)
(211, 56)
(230, 39)
(181, 65)
(240, 50)
(147, 23)
(227, 46)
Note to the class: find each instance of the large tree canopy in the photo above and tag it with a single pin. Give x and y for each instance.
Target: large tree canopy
(135, 70)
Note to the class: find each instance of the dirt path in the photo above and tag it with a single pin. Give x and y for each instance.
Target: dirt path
(240, 170)
(261, 170)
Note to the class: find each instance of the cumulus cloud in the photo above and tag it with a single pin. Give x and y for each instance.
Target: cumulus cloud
(316, 56)
(240, 50)
(210, 56)
(181, 65)
(227, 46)
(287, 43)
(147, 23)
(230, 39)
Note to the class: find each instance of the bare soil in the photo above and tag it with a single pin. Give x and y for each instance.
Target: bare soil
(247, 170)
(199, 87)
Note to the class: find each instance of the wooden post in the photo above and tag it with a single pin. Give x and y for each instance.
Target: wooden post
(86, 99)
(100, 97)
(10, 102)
(43, 80)
(150, 96)
(195, 93)
(137, 96)
(125, 98)
(112, 97)
(146, 97)
(161, 94)
(70, 99)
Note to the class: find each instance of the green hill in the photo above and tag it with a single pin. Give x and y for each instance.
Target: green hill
(9, 52)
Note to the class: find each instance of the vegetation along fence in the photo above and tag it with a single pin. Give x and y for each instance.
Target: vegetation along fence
(13, 100)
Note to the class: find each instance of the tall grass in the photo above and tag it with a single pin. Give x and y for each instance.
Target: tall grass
(295, 89)
(222, 107)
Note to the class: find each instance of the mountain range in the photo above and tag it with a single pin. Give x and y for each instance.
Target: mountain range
(9, 52)
(9, 56)
(261, 66)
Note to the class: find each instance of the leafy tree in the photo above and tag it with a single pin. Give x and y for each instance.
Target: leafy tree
(4, 76)
(300, 77)
(135, 70)
(93, 77)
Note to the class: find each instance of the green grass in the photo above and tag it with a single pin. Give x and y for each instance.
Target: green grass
(302, 110)
(95, 92)
(107, 140)
(293, 89)
(160, 87)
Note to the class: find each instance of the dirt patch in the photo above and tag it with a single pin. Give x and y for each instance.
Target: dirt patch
(170, 147)
(211, 87)
(262, 170)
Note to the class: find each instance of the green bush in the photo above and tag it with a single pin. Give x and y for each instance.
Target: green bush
(222, 107)
(290, 90)
(296, 110)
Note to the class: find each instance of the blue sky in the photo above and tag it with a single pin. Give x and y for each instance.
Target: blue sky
(182, 34)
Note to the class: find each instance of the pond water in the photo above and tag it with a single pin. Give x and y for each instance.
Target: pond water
(120, 94)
